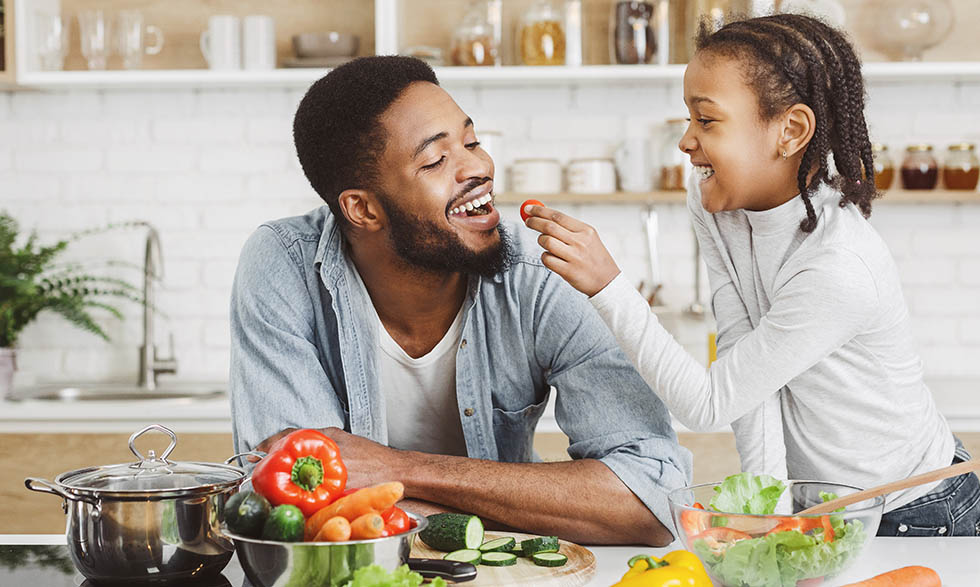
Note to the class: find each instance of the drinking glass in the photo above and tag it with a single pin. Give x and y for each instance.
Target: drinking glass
(95, 36)
(131, 34)
(50, 41)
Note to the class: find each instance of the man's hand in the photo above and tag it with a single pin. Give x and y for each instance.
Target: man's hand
(367, 462)
(266, 445)
(572, 249)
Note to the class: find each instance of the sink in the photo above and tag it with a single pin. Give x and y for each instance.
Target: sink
(120, 392)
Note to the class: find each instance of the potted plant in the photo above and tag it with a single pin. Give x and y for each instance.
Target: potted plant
(32, 281)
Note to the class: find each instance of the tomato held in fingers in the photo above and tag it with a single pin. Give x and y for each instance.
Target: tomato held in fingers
(524, 215)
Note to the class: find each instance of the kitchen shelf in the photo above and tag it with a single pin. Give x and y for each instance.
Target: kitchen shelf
(472, 76)
(679, 197)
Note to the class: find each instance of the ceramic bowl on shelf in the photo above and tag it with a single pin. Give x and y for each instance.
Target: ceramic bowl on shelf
(326, 44)
(746, 549)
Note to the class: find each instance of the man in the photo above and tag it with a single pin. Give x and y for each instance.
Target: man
(404, 322)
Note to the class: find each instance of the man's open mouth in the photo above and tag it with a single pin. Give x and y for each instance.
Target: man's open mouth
(475, 207)
(703, 172)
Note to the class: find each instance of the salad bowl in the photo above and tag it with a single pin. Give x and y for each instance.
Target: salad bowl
(745, 530)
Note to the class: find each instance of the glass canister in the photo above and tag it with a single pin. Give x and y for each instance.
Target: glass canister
(633, 35)
(919, 169)
(474, 41)
(883, 166)
(541, 35)
(961, 169)
(674, 163)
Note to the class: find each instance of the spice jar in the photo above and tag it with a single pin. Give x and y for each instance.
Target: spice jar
(673, 162)
(883, 166)
(961, 169)
(473, 40)
(633, 37)
(919, 169)
(542, 36)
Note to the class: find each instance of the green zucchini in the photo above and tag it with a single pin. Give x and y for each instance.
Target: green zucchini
(449, 532)
(533, 546)
(498, 559)
(505, 544)
(465, 555)
(549, 559)
(246, 513)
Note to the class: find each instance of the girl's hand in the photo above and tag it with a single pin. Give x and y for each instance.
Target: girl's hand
(572, 249)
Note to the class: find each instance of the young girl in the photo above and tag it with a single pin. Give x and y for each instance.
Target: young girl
(817, 370)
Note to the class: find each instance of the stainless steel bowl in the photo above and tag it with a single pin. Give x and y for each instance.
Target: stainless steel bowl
(152, 521)
(269, 563)
(329, 44)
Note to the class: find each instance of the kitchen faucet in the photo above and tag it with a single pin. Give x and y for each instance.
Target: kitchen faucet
(150, 364)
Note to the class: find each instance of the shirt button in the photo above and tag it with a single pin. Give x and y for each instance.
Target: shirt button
(468, 412)
(942, 530)
(903, 528)
(462, 345)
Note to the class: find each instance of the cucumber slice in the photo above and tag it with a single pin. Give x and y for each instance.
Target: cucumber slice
(465, 555)
(549, 559)
(499, 559)
(449, 532)
(533, 546)
(505, 544)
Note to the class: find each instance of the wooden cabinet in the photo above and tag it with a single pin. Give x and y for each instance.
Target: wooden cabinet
(8, 75)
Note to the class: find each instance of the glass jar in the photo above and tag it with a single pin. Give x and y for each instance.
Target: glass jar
(919, 169)
(541, 35)
(883, 166)
(474, 40)
(633, 35)
(961, 169)
(674, 164)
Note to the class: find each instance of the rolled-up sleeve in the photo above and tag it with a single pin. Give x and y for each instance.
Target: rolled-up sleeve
(603, 405)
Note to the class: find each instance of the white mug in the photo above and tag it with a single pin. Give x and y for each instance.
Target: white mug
(633, 163)
(221, 44)
(536, 176)
(591, 176)
(259, 42)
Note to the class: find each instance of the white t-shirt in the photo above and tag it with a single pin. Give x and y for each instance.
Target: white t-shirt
(420, 394)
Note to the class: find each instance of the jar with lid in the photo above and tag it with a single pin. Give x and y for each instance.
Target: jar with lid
(674, 163)
(883, 166)
(474, 41)
(961, 169)
(919, 169)
(541, 35)
(633, 37)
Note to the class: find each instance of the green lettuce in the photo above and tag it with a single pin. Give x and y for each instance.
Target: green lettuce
(746, 493)
(377, 576)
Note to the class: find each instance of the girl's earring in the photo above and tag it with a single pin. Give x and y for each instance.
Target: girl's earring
(784, 154)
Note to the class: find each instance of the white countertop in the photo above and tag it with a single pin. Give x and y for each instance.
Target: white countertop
(955, 559)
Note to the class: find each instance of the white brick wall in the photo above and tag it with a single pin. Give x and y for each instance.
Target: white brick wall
(206, 166)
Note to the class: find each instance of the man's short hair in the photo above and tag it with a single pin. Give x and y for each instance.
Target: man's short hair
(337, 129)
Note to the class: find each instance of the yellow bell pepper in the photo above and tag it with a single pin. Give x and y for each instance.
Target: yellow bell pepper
(679, 568)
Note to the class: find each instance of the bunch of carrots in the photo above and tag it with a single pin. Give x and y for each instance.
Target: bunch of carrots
(359, 515)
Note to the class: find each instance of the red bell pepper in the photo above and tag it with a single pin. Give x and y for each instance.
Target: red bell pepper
(303, 469)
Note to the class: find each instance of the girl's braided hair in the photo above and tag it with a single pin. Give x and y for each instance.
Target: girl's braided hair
(794, 59)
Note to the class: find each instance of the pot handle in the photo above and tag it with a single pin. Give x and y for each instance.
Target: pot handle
(49, 487)
(251, 453)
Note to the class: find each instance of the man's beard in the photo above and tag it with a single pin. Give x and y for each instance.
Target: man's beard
(425, 245)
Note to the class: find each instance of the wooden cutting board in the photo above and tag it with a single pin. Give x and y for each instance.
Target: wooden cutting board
(577, 571)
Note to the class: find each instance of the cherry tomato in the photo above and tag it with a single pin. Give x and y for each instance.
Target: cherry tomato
(526, 203)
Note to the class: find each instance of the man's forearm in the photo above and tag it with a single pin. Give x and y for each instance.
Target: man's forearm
(582, 501)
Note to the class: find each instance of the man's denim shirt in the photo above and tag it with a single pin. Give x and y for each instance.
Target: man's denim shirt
(304, 355)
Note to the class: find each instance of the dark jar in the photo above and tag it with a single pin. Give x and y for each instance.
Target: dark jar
(920, 171)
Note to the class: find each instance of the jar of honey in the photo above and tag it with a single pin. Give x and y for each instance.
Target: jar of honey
(884, 168)
(541, 35)
(961, 169)
(920, 171)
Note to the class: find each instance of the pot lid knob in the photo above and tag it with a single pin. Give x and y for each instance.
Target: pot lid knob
(152, 455)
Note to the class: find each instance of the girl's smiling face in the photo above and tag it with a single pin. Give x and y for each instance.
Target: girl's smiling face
(737, 155)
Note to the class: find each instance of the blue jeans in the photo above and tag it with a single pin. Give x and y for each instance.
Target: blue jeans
(951, 509)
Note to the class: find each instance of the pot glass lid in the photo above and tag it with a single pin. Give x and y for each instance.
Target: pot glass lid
(151, 472)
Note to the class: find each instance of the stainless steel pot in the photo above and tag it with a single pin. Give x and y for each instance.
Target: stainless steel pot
(150, 521)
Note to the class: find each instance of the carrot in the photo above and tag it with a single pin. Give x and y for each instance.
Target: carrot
(913, 576)
(336, 529)
(370, 525)
(376, 498)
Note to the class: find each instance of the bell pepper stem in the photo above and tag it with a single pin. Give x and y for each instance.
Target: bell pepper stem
(307, 473)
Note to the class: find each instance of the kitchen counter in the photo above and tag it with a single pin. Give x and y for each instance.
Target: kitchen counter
(955, 559)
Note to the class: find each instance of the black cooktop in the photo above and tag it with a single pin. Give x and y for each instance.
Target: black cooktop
(49, 565)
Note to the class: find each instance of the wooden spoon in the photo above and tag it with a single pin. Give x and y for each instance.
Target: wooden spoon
(937, 475)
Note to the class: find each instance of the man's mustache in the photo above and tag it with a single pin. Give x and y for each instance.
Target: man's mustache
(470, 186)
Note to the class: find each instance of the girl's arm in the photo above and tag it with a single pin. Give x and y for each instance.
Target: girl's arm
(818, 309)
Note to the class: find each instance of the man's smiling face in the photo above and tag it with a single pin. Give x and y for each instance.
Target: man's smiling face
(436, 185)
